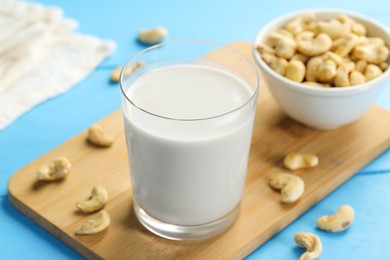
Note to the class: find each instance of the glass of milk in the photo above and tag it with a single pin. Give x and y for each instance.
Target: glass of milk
(188, 115)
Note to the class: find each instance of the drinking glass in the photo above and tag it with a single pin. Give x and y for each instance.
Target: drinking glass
(188, 171)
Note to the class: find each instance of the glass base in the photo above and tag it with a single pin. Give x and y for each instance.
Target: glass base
(176, 232)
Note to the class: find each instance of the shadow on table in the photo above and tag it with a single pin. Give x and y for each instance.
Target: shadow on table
(37, 230)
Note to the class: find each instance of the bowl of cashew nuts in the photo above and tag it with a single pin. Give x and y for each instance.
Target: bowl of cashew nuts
(325, 68)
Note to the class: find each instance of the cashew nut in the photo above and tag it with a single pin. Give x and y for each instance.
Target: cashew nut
(339, 221)
(371, 53)
(55, 170)
(333, 57)
(361, 66)
(345, 19)
(295, 161)
(344, 45)
(98, 137)
(295, 70)
(262, 48)
(115, 76)
(326, 71)
(363, 40)
(342, 78)
(359, 29)
(291, 186)
(312, 68)
(152, 36)
(375, 41)
(384, 65)
(96, 224)
(311, 242)
(284, 46)
(285, 33)
(277, 64)
(96, 201)
(299, 24)
(315, 46)
(372, 71)
(356, 78)
(305, 36)
(334, 28)
(300, 57)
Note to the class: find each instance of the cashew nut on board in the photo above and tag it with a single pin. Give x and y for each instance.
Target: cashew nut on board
(295, 161)
(311, 242)
(152, 36)
(290, 185)
(339, 221)
(96, 224)
(96, 201)
(97, 136)
(326, 49)
(55, 170)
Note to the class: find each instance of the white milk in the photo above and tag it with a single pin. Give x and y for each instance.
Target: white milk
(183, 172)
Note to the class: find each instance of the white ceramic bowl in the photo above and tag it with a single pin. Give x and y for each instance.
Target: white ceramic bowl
(322, 108)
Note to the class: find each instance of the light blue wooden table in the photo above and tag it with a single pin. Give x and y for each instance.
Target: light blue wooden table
(58, 119)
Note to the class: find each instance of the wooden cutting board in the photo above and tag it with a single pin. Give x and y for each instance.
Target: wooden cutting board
(342, 153)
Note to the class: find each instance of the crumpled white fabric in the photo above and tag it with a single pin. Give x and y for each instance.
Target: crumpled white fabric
(41, 56)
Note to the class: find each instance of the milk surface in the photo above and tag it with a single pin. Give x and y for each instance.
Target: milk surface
(189, 91)
(197, 175)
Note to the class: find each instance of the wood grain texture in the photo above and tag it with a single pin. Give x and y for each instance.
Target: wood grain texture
(342, 153)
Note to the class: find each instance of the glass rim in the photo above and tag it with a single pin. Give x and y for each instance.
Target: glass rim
(132, 59)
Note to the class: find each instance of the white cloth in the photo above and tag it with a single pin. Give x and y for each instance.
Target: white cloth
(41, 56)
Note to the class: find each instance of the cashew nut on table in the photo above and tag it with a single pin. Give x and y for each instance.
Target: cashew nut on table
(97, 136)
(339, 221)
(311, 242)
(55, 170)
(152, 36)
(295, 161)
(96, 224)
(115, 76)
(96, 201)
(334, 53)
(290, 186)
